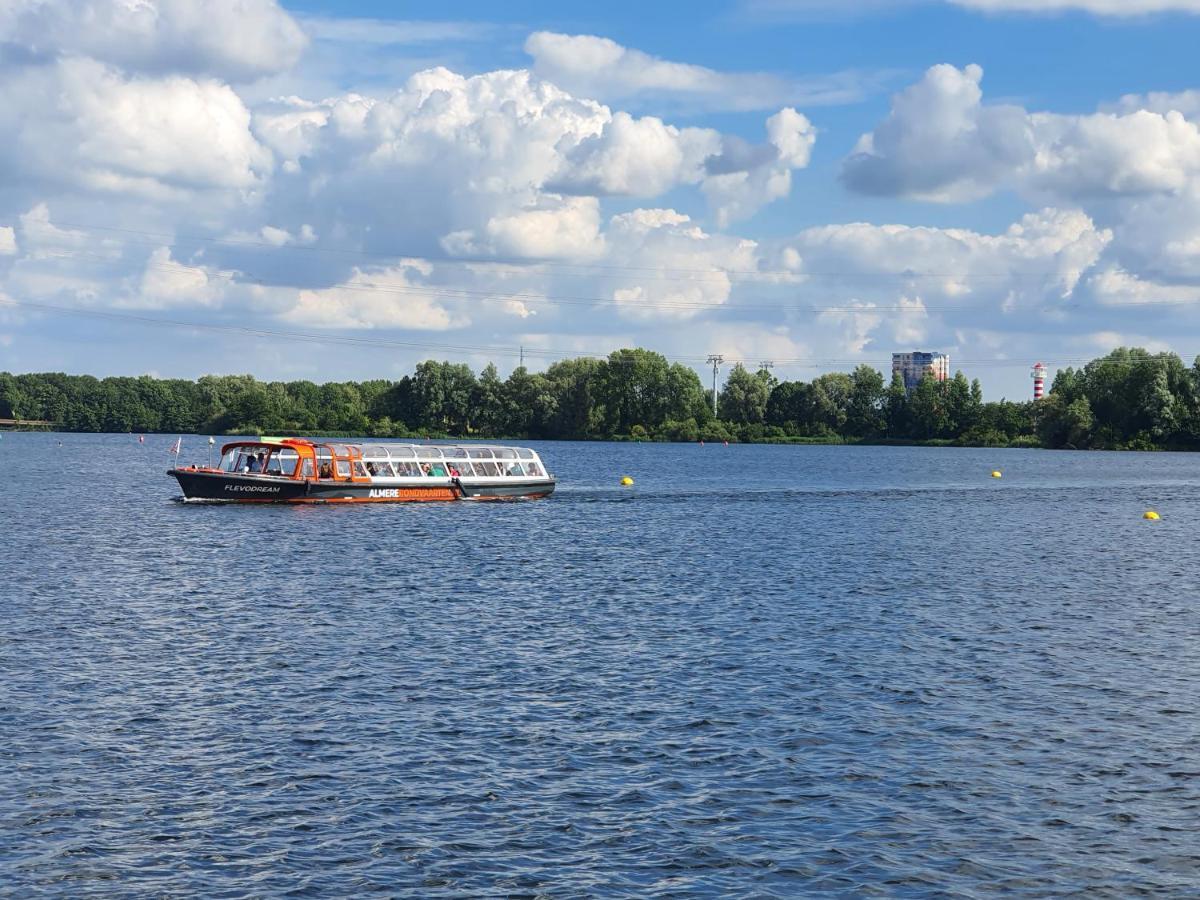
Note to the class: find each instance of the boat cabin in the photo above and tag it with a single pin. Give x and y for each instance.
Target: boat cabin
(373, 463)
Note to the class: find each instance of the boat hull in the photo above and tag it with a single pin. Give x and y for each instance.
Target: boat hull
(224, 487)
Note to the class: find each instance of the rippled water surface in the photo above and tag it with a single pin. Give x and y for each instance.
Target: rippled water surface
(769, 671)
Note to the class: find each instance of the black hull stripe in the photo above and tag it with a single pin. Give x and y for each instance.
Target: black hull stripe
(228, 488)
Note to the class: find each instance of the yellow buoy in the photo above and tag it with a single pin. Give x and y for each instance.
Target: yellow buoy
(996, 473)
(1151, 514)
(626, 481)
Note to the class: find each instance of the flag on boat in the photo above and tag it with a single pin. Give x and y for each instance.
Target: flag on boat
(175, 447)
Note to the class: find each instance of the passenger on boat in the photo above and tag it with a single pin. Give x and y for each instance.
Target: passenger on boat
(454, 473)
(255, 464)
(326, 470)
(425, 469)
(437, 471)
(533, 469)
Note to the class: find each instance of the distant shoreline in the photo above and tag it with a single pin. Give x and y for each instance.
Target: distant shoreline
(1130, 399)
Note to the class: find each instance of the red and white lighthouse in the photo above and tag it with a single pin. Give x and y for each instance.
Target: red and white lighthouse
(1039, 381)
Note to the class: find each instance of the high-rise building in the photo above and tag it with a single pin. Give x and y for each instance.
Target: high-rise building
(916, 365)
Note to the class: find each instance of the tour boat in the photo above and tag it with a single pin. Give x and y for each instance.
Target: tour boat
(294, 470)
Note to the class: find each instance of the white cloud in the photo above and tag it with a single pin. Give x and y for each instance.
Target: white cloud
(8, 241)
(1114, 286)
(648, 241)
(82, 123)
(639, 157)
(1116, 8)
(599, 67)
(1163, 102)
(500, 163)
(233, 40)
(166, 283)
(377, 298)
(567, 227)
(940, 142)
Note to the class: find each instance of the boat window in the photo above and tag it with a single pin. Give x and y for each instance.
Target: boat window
(437, 470)
(429, 453)
(455, 452)
(382, 469)
(283, 462)
(359, 470)
(306, 469)
(533, 468)
(505, 453)
(514, 469)
(524, 452)
(481, 452)
(489, 469)
(242, 458)
(324, 462)
(343, 468)
(463, 467)
(401, 452)
(374, 451)
(407, 469)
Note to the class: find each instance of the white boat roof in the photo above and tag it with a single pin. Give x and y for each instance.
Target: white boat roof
(441, 451)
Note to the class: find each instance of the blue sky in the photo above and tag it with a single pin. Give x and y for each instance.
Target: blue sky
(322, 190)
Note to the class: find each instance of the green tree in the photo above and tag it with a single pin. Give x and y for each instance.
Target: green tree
(865, 405)
(744, 399)
(633, 388)
(896, 409)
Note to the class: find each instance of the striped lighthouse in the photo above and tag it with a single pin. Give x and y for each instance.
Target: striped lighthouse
(1039, 381)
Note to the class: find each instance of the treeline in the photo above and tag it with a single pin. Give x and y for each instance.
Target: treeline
(1130, 398)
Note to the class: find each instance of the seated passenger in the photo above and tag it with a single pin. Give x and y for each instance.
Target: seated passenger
(326, 470)
(255, 464)
(437, 471)
(454, 473)
(425, 469)
(533, 469)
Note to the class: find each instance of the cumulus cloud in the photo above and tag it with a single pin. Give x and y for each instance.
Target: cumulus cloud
(82, 123)
(1113, 286)
(376, 298)
(648, 241)
(8, 241)
(940, 142)
(167, 283)
(237, 40)
(501, 163)
(905, 283)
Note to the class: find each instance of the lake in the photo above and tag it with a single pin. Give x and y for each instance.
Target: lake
(762, 670)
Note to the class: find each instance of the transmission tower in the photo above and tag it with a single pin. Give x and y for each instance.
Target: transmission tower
(715, 359)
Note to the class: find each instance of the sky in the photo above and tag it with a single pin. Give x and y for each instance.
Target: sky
(314, 190)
